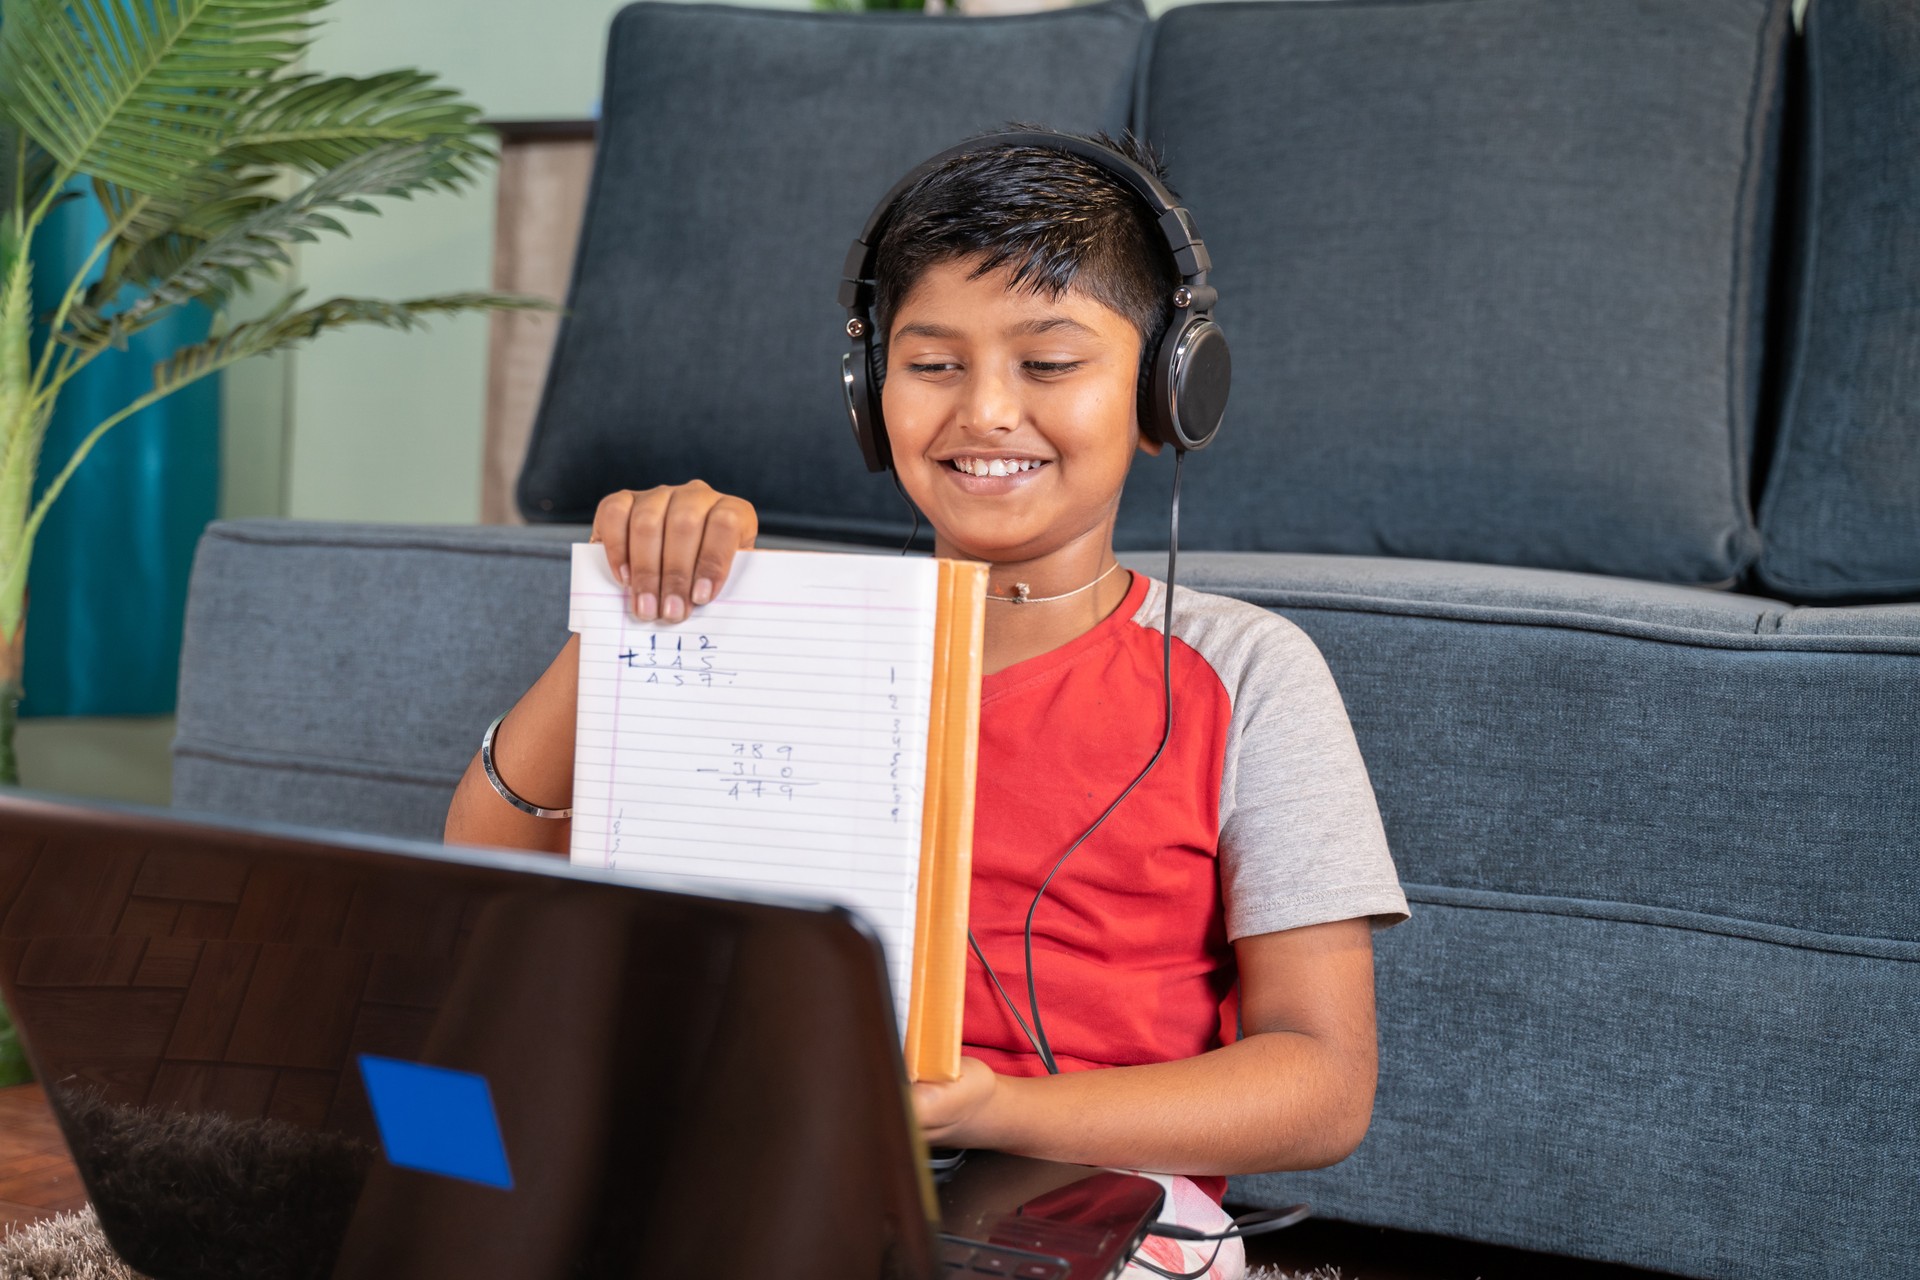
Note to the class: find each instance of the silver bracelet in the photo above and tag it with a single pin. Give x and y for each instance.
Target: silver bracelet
(493, 776)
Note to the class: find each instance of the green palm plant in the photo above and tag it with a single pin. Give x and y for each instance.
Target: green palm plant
(211, 157)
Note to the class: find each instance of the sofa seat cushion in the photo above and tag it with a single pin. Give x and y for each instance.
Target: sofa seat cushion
(1526, 731)
(341, 675)
(1492, 270)
(1841, 515)
(740, 153)
(1655, 1088)
(1574, 736)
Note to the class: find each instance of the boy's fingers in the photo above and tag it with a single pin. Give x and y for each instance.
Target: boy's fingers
(646, 520)
(731, 527)
(610, 531)
(684, 529)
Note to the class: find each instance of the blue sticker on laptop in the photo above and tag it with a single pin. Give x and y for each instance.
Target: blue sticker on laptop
(436, 1120)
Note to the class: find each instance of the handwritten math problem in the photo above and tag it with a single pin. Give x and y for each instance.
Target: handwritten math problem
(775, 739)
(760, 770)
(681, 661)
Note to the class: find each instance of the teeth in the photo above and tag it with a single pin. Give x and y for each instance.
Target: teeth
(994, 466)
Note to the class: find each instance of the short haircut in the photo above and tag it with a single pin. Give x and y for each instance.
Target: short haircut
(1058, 220)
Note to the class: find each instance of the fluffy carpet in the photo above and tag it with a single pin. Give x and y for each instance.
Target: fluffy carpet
(72, 1247)
(69, 1247)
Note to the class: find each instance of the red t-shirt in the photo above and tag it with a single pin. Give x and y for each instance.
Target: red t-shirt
(1131, 943)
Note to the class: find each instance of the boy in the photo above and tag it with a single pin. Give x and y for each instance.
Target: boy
(1204, 961)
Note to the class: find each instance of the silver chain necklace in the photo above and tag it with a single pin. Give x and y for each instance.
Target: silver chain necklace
(1021, 591)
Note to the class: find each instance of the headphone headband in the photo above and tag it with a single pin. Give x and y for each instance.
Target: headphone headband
(1176, 224)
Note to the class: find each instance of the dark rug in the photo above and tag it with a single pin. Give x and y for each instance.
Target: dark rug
(72, 1247)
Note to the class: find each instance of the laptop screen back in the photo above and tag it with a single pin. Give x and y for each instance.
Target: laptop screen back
(274, 1054)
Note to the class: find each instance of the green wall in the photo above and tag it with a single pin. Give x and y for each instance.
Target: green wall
(383, 426)
(387, 427)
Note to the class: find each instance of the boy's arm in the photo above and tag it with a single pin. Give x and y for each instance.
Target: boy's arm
(533, 754)
(1296, 1092)
(673, 547)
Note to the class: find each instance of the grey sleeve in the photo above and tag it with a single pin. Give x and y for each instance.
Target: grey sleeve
(1300, 835)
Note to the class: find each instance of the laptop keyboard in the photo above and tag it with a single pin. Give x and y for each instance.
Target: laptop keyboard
(971, 1259)
(1044, 1235)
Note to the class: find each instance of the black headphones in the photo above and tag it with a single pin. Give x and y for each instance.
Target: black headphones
(1187, 382)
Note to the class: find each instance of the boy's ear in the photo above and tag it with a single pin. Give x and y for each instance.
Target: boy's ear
(1149, 446)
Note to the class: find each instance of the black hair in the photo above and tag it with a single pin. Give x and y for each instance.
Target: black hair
(1058, 220)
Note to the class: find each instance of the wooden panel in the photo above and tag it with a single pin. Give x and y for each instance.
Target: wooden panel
(213, 1001)
(98, 1024)
(200, 1086)
(542, 194)
(299, 1007)
(302, 1097)
(292, 903)
(52, 903)
(169, 962)
(80, 962)
(148, 918)
(192, 877)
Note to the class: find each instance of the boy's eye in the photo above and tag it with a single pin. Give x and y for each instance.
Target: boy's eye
(1053, 366)
(919, 367)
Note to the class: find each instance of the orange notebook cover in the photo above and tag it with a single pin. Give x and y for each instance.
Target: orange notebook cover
(946, 831)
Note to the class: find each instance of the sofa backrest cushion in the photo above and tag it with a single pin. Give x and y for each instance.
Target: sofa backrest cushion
(1492, 272)
(1841, 513)
(740, 153)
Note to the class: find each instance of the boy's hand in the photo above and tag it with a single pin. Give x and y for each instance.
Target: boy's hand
(673, 544)
(955, 1114)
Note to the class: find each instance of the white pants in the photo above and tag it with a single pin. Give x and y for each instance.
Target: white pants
(1189, 1206)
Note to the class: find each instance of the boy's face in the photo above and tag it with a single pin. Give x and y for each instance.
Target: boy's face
(983, 377)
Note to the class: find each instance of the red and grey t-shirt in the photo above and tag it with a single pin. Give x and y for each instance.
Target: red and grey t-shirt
(1258, 818)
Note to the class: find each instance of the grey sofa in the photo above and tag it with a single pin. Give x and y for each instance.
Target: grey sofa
(1577, 418)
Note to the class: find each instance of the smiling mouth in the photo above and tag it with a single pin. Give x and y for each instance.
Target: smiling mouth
(993, 466)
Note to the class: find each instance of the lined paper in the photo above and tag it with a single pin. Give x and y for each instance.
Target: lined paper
(777, 739)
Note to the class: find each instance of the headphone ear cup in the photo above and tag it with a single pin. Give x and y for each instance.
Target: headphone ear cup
(876, 367)
(876, 379)
(1191, 377)
(863, 405)
(870, 425)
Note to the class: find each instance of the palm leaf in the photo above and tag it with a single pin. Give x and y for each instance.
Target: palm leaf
(305, 123)
(159, 234)
(141, 93)
(24, 168)
(284, 326)
(258, 243)
(312, 123)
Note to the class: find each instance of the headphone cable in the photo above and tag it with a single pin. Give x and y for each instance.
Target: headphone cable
(915, 511)
(1037, 1034)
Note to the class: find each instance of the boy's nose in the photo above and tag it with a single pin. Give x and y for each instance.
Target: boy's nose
(991, 403)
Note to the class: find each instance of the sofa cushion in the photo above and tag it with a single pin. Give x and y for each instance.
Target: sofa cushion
(1841, 514)
(1665, 746)
(1573, 736)
(1491, 270)
(1656, 1088)
(341, 675)
(741, 151)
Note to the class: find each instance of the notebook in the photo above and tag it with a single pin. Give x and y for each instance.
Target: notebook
(811, 731)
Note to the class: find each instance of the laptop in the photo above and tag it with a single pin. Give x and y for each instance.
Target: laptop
(279, 1052)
